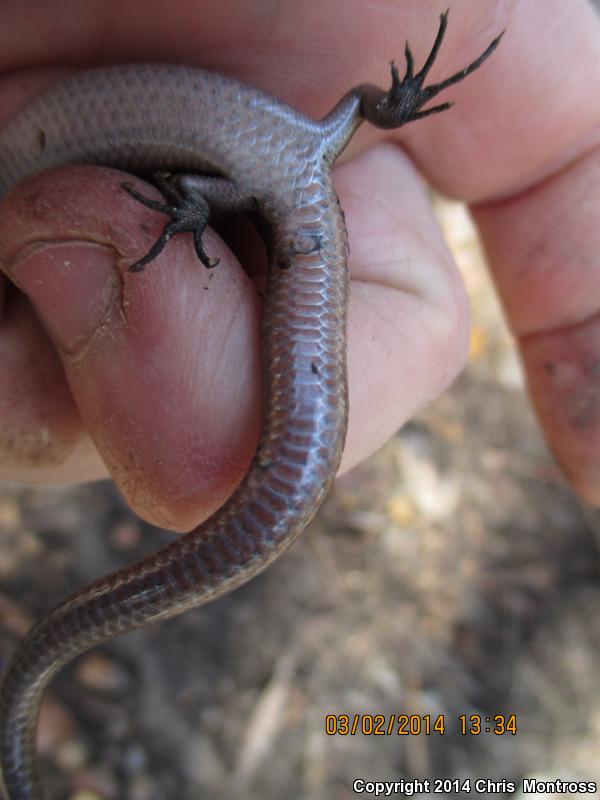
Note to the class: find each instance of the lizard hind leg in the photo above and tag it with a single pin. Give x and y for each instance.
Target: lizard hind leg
(191, 201)
(405, 98)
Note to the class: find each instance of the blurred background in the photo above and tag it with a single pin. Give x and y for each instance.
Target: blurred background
(452, 573)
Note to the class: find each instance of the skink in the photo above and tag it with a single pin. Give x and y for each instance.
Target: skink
(248, 151)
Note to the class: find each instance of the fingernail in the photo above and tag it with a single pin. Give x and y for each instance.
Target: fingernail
(72, 285)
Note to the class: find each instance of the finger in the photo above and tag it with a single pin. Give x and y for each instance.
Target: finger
(137, 373)
(528, 111)
(163, 365)
(525, 111)
(42, 438)
(408, 317)
(542, 238)
(529, 136)
(543, 246)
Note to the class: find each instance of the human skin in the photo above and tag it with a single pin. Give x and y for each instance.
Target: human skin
(155, 378)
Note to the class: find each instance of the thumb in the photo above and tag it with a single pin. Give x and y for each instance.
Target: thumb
(164, 365)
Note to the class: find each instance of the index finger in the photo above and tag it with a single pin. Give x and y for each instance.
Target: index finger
(533, 90)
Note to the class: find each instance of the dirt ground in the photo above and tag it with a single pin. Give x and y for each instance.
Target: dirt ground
(454, 573)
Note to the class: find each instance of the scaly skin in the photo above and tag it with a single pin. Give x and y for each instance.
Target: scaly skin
(275, 162)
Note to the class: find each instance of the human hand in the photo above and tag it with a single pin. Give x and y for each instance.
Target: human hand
(164, 376)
